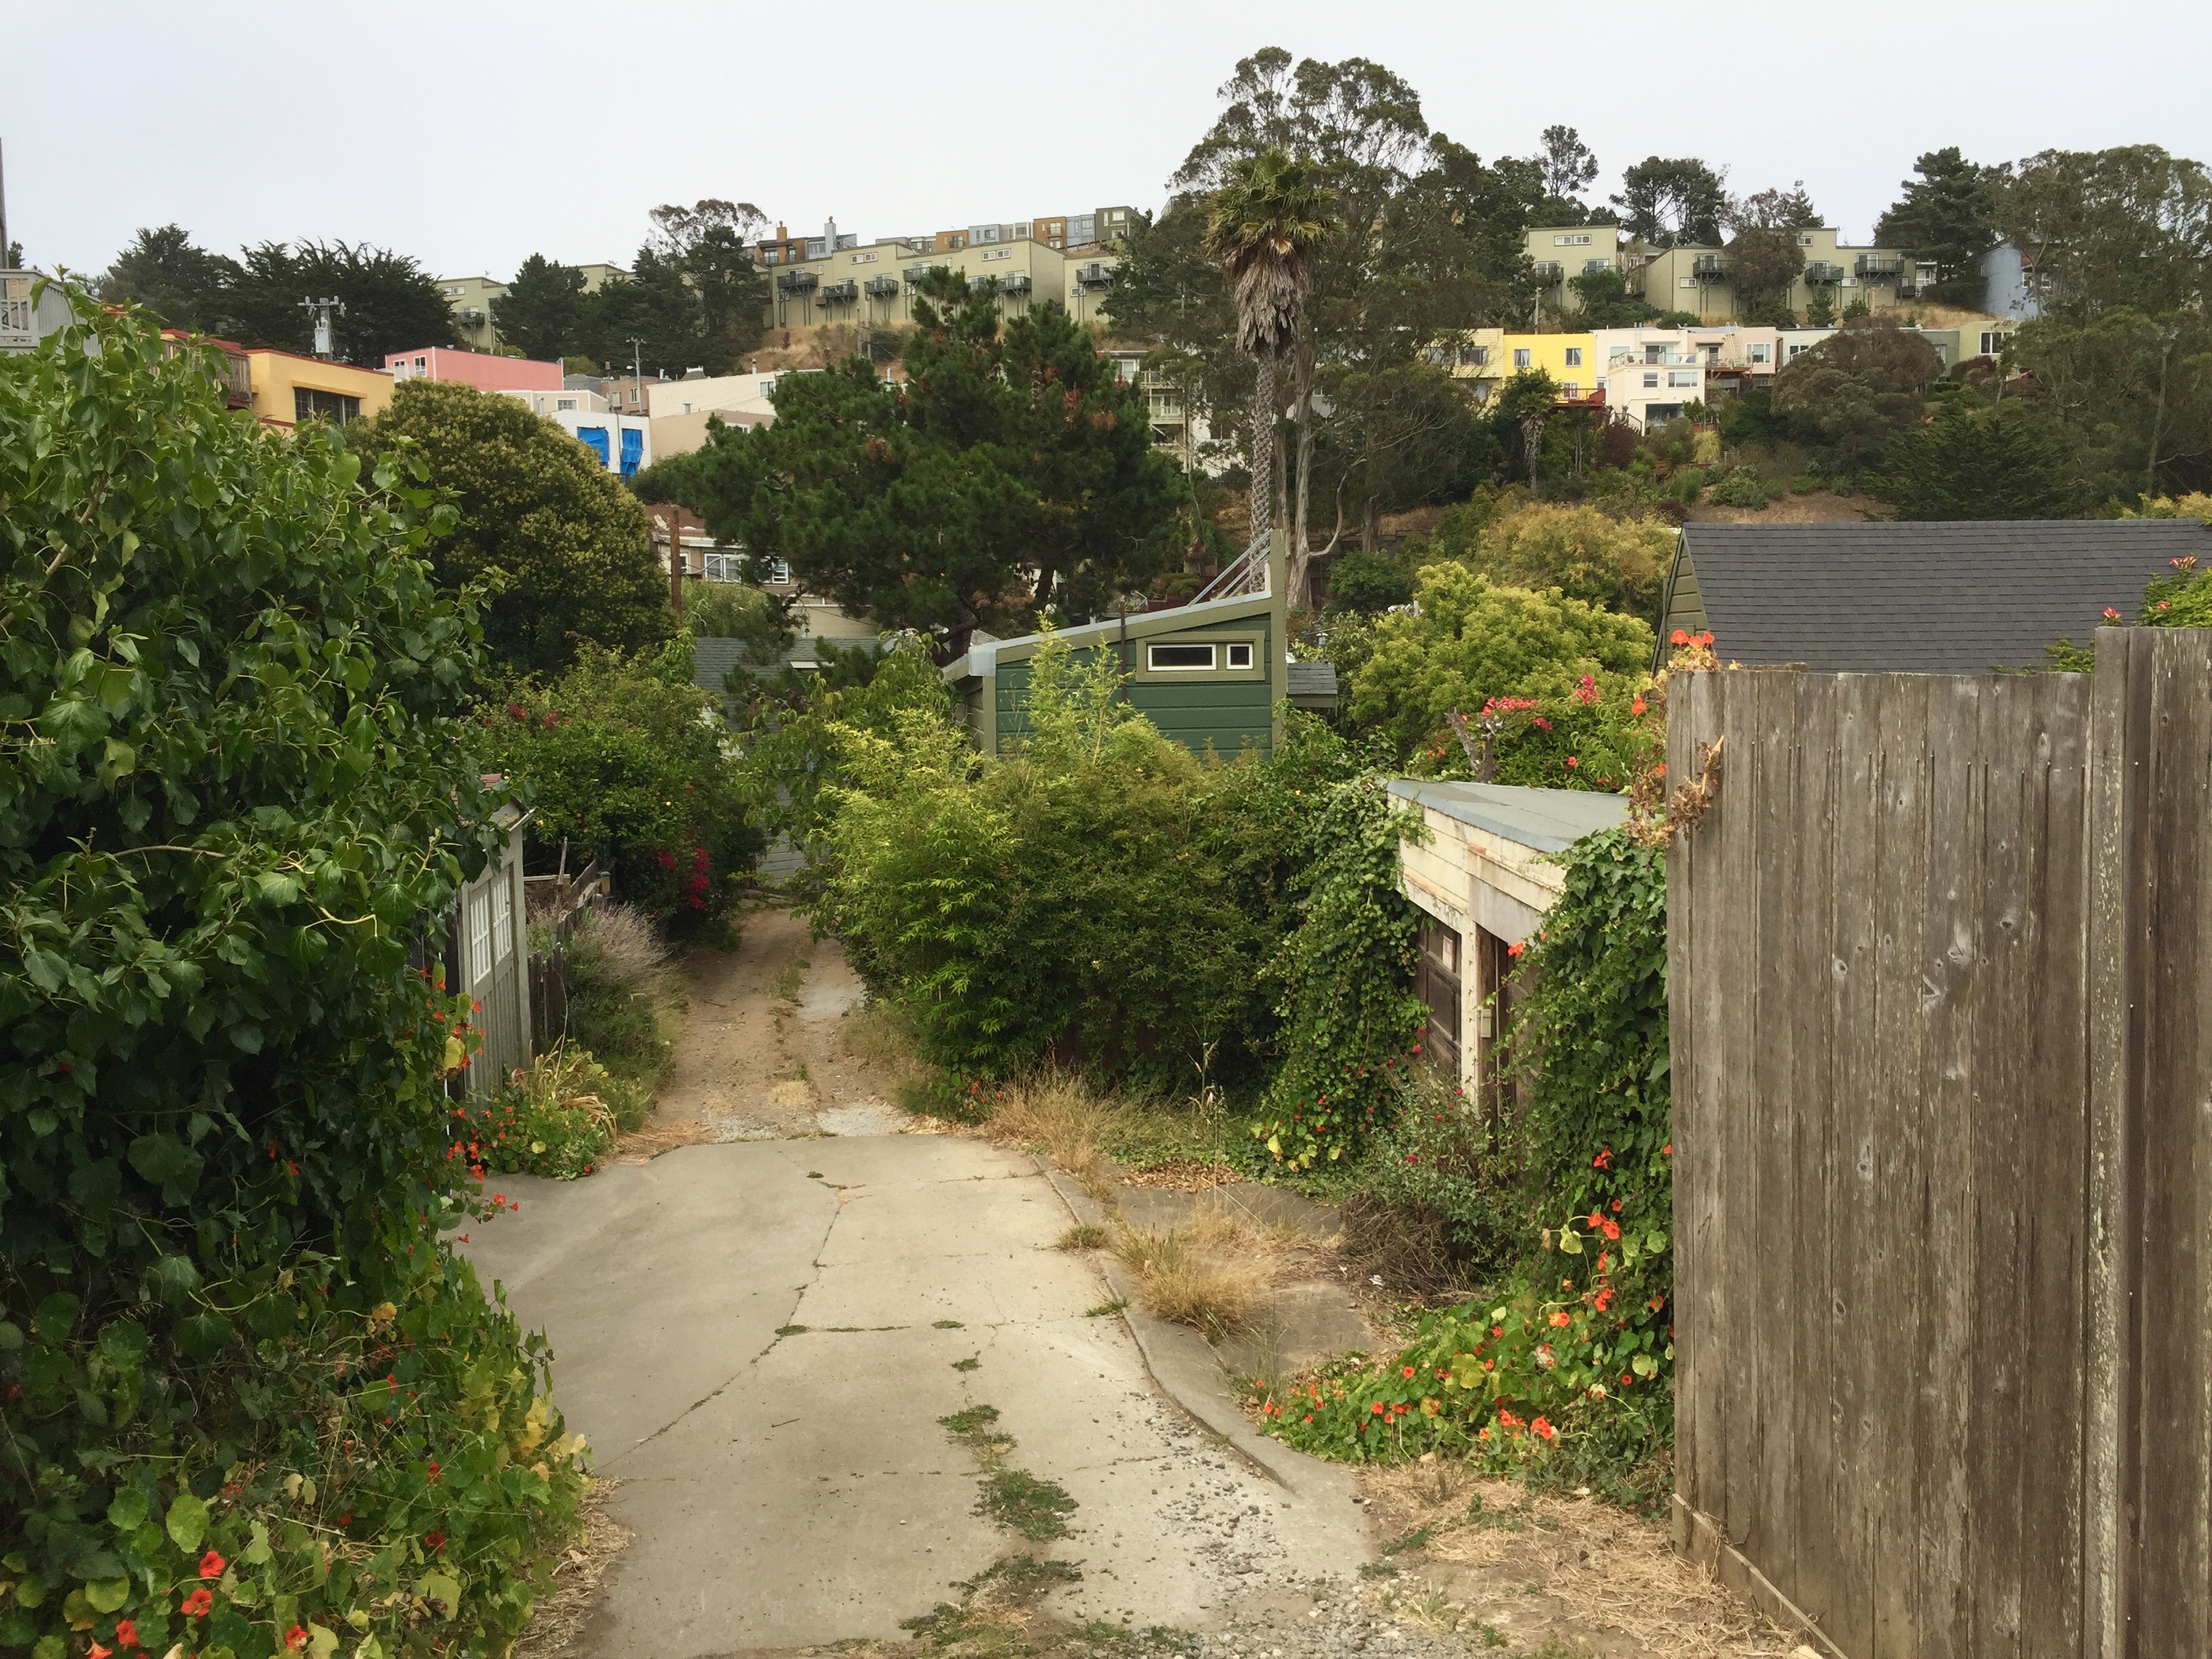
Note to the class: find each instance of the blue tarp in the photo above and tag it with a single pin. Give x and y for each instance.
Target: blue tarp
(594, 438)
(633, 450)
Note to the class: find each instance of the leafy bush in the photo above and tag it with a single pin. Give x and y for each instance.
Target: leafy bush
(565, 549)
(1368, 582)
(1063, 901)
(2002, 462)
(1351, 1022)
(251, 1398)
(1470, 640)
(1616, 564)
(626, 760)
(1573, 1352)
(551, 1118)
(1741, 487)
(1451, 1159)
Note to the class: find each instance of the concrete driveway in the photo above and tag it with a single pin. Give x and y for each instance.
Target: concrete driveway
(759, 1339)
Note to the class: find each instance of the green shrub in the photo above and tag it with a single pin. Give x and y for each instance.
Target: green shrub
(624, 759)
(619, 979)
(1453, 1159)
(1351, 1022)
(249, 1395)
(1063, 901)
(1570, 1357)
(1740, 487)
(553, 1117)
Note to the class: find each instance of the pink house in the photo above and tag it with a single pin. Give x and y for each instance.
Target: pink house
(483, 370)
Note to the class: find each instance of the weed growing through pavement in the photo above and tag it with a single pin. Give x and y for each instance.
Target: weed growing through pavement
(967, 1364)
(946, 1325)
(1021, 1503)
(1106, 1309)
(1086, 1236)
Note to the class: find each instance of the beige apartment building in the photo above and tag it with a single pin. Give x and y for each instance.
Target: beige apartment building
(875, 285)
(470, 299)
(1697, 279)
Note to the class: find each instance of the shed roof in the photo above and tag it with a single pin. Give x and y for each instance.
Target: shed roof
(1921, 598)
(985, 652)
(1313, 684)
(1545, 820)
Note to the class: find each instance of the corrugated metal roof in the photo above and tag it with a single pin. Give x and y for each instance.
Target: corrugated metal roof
(1923, 598)
(1545, 820)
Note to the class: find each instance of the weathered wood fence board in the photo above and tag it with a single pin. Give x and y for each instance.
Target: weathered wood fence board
(1942, 1032)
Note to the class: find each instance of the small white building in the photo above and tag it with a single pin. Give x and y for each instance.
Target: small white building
(624, 443)
(1482, 885)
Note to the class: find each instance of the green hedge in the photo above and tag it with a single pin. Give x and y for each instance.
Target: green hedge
(237, 792)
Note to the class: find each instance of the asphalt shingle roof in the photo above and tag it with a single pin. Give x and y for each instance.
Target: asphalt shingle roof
(1926, 599)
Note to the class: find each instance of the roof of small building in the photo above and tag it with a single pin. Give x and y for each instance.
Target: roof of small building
(985, 650)
(1921, 598)
(1313, 682)
(1545, 820)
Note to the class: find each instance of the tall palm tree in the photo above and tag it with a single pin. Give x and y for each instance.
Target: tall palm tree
(1265, 221)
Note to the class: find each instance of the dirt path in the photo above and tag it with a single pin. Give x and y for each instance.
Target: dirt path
(763, 1056)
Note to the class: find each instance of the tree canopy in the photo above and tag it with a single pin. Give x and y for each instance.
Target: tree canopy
(541, 313)
(1675, 203)
(2003, 461)
(1851, 396)
(390, 302)
(566, 548)
(1010, 474)
(1945, 216)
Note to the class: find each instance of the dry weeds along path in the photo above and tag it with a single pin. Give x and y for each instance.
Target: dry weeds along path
(762, 1334)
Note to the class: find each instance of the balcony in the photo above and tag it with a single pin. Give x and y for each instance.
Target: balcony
(1708, 268)
(839, 294)
(1094, 275)
(798, 281)
(1015, 286)
(1820, 273)
(1882, 267)
(1548, 272)
(914, 274)
(883, 288)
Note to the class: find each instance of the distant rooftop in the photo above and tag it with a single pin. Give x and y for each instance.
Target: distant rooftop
(1545, 820)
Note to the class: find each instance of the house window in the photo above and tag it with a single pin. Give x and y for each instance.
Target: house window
(1184, 658)
(1240, 655)
(564, 403)
(1570, 241)
(1761, 353)
(1574, 356)
(1474, 356)
(1651, 377)
(1804, 241)
(479, 936)
(421, 362)
(1682, 377)
(1795, 348)
(1571, 389)
(1993, 343)
(502, 920)
(309, 404)
(864, 259)
(1520, 357)
(1687, 281)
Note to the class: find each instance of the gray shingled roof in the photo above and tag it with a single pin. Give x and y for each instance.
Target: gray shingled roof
(1547, 820)
(1927, 598)
(1313, 682)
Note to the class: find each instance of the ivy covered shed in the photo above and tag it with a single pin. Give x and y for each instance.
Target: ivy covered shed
(1209, 674)
(1482, 885)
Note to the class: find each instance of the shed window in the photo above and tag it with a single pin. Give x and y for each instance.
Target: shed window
(1179, 656)
(479, 935)
(1240, 656)
(502, 919)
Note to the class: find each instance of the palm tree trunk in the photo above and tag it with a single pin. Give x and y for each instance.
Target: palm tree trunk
(1263, 447)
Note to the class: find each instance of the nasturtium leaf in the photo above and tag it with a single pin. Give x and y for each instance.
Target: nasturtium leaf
(442, 1592)
(187, 1522)
(55, 1317)
(107, 1594)
(127, 1511)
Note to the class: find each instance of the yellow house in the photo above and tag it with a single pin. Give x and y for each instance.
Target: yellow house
(1491, 356)
(288, 388)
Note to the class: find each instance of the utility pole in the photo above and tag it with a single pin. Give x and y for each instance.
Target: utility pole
(321, 311)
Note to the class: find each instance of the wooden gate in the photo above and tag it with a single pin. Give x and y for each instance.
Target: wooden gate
(1942, 1051)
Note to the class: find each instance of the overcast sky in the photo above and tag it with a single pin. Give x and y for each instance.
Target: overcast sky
(471, 135)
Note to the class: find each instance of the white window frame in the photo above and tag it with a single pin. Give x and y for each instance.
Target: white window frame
(1682, 377)
(1239, 653)
(502, 919)
(1521, 357)
(479, 936)
(1651, 378)
(1574, 356)
(1154, 665)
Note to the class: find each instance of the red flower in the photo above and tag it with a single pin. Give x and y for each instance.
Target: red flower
(126, 1632)
(1612, 1228)
(1409, 1371)
(2111, 615)
(296, 1636)
(196, 1605)
(1681, 636)
(1571, 761)
(433, 1541)
(1377, 1409)
(1559, 1317)
(1542, 1426)
(211, 1565)
(1516, 948)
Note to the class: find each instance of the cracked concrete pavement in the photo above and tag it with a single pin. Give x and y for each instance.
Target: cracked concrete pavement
(759, 1338)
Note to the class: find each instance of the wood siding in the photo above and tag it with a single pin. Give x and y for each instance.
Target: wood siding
(1942, 1047)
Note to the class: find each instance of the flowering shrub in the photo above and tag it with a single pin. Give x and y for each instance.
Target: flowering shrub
(247, 1399)
(624, 759)
(552, 1118)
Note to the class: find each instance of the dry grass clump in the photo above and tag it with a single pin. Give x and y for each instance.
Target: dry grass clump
(1208, 1273)
(1183, 1175)
(1568, 1570)
(1059, 1114)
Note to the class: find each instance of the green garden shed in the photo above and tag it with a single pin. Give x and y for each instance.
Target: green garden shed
(1210, 674)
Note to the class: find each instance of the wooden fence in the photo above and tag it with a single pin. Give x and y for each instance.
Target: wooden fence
(1942, 1023)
